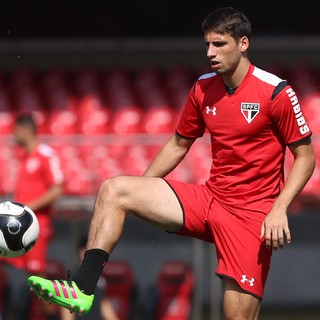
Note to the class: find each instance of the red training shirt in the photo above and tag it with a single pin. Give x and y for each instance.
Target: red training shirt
(39, 170)
(249, 131)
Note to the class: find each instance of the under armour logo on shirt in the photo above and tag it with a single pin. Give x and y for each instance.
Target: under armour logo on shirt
(213, 110)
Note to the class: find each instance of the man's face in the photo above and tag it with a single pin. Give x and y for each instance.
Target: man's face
(21, 134)
(224, 52)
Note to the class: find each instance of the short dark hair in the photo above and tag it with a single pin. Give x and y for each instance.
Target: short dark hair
(227, 20)
(26, 120)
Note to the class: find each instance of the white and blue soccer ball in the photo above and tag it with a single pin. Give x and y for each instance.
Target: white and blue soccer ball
(19, 229)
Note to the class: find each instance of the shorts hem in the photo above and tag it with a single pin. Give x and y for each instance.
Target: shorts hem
(182, 227)
(221, 275)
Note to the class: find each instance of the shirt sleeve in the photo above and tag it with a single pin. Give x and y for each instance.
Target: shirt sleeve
(288, 116)
(191, 124)
(53, 170)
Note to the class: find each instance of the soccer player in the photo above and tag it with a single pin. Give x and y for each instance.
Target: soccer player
(252, 117)
(39, 184)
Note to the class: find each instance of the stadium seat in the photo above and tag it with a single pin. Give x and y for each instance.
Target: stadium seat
(54, 77)
(157, 120)
(117, 88)
(78, 179)
(93, 116)
(8, 171)
(60, 98)
(22, 78)
(201, 162)
(310, 194)
(7, 119)
(127, 120)
(135, 160)
(175, 287)
(121, 288)
(304, 78)
(86, 80)
(5, 101)
(63, 121)
(149, 88)
(311, 107)
(178, 81)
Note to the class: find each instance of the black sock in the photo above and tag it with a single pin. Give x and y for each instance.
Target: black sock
(90, 270)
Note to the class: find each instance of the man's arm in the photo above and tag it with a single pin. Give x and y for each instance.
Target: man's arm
(275, 225)
(169, 156)
(51, 195)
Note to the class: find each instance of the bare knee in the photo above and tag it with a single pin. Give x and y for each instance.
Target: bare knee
(111, 192)
(239, 305)
(239, 311)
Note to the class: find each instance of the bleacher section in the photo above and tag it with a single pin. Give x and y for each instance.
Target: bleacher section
(112, 121)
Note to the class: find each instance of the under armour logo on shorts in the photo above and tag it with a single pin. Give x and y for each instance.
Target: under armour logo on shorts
(245, 279)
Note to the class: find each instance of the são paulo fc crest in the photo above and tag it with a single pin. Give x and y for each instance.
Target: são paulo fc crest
(250, 110)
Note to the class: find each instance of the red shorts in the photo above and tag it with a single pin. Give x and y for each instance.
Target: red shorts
(35, 261)
(241, 253)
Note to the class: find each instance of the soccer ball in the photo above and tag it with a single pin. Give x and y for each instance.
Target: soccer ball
(19, 229)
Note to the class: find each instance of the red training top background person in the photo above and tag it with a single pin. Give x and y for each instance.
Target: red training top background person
(39, 183)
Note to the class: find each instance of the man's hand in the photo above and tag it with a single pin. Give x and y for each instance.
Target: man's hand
(275, 228)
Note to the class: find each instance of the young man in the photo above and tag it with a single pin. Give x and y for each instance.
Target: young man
(252, 116)
(39, 185)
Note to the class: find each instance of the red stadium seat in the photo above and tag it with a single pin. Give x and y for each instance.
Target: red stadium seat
(22, 78)
(117, 88)
(311, 107)
(182, 173)
(304, 78)
(60, 98)
(78, 180)
(178, 82)
(8, 171)
(7, 119)
(159, 120)
(93, 116)
(121, 288)
(310, 193)
(86, 81)
(127, 120)
(55, 77)
(5, 101)
(63, 121)
(175, 286)
(134, 161)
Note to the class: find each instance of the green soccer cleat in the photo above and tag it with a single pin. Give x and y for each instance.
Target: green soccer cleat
(64, 293)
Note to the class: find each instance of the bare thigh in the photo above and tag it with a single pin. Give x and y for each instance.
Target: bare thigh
(237, 303)
(149, 198)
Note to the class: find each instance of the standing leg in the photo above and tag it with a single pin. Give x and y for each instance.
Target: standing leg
(237, 304)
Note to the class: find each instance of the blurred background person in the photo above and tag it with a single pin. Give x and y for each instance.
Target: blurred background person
(102, 306)
(39, 183)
